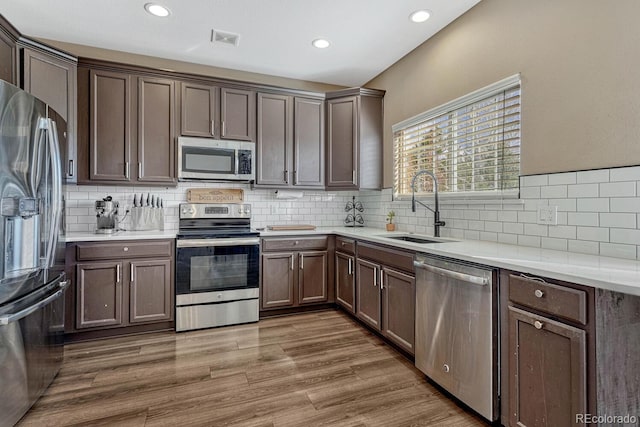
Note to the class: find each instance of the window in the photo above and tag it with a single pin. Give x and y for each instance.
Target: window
(471, 144)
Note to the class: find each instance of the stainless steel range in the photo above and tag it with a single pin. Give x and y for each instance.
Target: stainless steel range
(217, 266)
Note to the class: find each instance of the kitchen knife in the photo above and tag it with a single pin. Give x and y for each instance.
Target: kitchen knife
(135, 201)
(148, 199)
(153, 201)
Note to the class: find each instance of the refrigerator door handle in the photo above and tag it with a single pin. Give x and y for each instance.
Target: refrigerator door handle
(56, 170)
(14, 317)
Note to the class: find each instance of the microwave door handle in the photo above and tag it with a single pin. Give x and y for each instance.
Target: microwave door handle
(236, 167)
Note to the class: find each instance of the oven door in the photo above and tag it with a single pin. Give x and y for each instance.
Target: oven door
(213, 265)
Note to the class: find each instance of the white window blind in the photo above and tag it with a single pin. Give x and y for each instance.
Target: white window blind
(471, 144)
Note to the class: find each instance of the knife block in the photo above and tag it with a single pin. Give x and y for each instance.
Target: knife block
(147, 218)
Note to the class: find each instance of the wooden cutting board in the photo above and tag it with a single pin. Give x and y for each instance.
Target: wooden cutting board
(215, 195)
(291, 227)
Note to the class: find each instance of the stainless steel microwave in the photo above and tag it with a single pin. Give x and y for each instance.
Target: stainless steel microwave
(216, 160)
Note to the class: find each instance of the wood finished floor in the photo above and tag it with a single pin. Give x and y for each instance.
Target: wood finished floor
(314, 369)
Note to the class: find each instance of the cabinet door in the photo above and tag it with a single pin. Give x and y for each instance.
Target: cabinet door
(150, 291)
(277, 280)
(345, 284)
(398, 308)
(342, 117)
(368, 292)
(238, 114)
(156, 130)
(99, 295)
(308, 144)
(274, 140)
(54, 81)
(547, 377)
(199, 113)
(110, 124)
(7, 57)
(312, 277)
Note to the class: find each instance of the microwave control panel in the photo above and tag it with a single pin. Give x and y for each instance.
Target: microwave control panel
(244, 162)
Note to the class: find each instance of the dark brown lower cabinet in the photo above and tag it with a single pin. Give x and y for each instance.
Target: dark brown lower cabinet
(398, 306)
(277, 280)
(312, 277)
(113, 292)
(345, 281)
(368, 293)
(548, 383)
(99, 295)
(150, 291)
(295, 272)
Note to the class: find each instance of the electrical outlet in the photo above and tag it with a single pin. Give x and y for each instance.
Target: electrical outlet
(547, 215)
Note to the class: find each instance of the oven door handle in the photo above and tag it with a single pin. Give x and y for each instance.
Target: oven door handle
(204, 243)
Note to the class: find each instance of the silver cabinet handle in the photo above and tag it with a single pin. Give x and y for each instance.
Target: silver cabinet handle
(537, 324)
(375, 277)
(70, 167)
(224, 129)
(126, 170)
(536, 279)
(117, 273)
(538, 293)
(139, 170)
(353, 176)
(131, 273)
(213, 127)
(301, 261)
(291, 261)
(350, 267)
(381, 279)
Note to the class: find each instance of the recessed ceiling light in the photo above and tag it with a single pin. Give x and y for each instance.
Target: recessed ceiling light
(156, 10)
(420, 16)
(321, 43)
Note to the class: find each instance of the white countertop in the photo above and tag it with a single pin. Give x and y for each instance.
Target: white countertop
(89, 236)
(613, 274)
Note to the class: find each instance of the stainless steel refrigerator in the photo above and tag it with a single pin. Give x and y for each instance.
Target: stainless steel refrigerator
(32, 278)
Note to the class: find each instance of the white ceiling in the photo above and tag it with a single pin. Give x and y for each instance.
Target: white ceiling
(367, 36)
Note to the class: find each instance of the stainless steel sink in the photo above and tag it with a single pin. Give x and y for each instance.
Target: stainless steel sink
(412, 239)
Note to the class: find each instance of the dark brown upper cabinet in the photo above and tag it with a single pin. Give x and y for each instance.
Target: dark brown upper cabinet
(8, 57)
(131, 128)
(51, 76)
(354, 139)
(290, 143)
(156, 130)
(212, 112)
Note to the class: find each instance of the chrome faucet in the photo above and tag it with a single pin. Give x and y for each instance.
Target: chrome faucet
(436, 212)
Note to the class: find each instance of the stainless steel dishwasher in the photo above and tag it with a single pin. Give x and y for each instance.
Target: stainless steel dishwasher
(457, 330)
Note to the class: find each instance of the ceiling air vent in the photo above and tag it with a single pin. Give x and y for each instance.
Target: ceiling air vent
(225, 37)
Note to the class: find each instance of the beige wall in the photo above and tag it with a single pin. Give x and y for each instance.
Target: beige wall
(579, 62)
(188, 67)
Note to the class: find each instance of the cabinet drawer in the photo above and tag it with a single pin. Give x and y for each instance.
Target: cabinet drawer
(389, 257)
(294, 244)
(97, 251)
(557, 300)
(345, 245)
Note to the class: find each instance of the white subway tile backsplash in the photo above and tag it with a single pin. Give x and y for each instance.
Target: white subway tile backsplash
(563, 178)
(534, 180)
(589, 219)
(627, 204)
(553, 192)
(625, 174)
(583, 247)
(598, 211)
(592, 205)
(618, 220)
(582, 190)
(593, 233)
(598, 175)
(618, 189)
(618, 250)
(555, 244)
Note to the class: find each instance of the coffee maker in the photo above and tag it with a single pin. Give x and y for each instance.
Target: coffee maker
(106, 216)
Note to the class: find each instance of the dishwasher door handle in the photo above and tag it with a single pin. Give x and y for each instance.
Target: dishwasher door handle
(476, 280)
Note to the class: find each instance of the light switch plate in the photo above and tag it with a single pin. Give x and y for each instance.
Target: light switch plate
(547, 215)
